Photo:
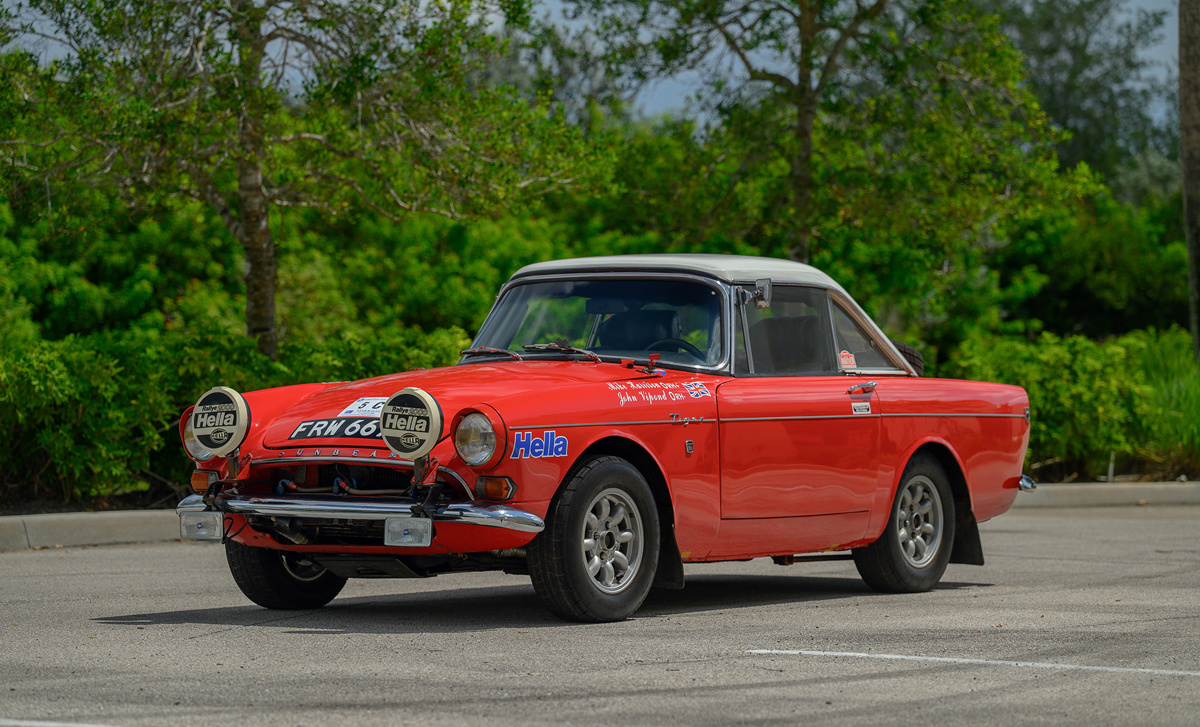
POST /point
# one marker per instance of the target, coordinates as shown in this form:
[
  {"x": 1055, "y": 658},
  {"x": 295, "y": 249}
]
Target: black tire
[
  {"x": 912, "y": 553},
  {"x": 912, "y": 356},
  {"x": 622, "y": 571},
  {"x": 275, "y": 579}
]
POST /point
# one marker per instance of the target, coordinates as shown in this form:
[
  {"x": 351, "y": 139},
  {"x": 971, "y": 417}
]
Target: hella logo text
[
  {"x": 548, "y": 445},
  {"x": 216, "y": 419},
  {"x": 405, "y": 423}
]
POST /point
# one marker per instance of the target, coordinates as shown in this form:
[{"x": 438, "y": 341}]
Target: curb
[
  {"x": 62, "y": 530},
  {"x": 1110, "y": 494}
]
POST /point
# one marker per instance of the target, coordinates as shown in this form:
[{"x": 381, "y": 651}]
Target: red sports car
[{"x": 615, "y": 418}]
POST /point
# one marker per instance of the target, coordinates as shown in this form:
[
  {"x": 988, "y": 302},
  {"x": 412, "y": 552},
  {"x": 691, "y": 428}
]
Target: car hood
[{"x": 454, "y": 387}]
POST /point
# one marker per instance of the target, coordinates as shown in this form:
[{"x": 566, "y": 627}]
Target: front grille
[
  {"x": 349, "y": 532},
  {"x": 364, "y": 477}
]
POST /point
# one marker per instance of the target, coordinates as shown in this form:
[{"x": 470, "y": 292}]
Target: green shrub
[
  {"x": 96, "y": 416},
  {"x": 1173, "y": 374},
  {"x": 1089, "y": 399}
]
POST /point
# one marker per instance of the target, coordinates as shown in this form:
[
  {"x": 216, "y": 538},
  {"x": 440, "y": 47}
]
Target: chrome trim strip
[
  {"x": 470, "y": 513},
  {"x": 614, "y": 424},
  {"x": 361, "y": 460},
  {"x": 869, "y": 416},
  {"x": 976, "y": 416},
  {"x": 792, "y": 419}
]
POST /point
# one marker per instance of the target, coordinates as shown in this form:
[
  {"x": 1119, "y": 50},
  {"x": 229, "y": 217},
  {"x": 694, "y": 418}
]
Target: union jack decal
[{"x": 696, "y": 389}]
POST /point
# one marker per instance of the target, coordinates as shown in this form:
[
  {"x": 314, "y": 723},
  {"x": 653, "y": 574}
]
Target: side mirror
[{"x": 762, "y": 293}]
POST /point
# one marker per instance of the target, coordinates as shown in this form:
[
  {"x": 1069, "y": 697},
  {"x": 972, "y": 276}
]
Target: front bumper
[{"x": 199, "y": 521}]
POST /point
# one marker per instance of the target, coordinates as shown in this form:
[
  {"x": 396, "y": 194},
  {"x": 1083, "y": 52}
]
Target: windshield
[{"x": 678, "y": 319}]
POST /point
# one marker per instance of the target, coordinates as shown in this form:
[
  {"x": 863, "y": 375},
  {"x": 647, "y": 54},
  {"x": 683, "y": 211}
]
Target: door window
[{"x": 792, "y": 337}]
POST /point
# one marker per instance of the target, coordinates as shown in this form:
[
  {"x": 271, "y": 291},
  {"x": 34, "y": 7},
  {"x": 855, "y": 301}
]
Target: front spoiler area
[{"x": 489, "y": 515}]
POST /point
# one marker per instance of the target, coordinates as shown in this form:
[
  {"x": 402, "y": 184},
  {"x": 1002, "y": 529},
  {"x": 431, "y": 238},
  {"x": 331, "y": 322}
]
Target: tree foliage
[
  {"x": 254, "y": 105},
  {"x": 403, "y": 182},
  {"x": 1087, "y": 67}
]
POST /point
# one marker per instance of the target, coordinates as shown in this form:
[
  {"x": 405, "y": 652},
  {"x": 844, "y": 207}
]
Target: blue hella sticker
[{"x": 548, "y": 445}]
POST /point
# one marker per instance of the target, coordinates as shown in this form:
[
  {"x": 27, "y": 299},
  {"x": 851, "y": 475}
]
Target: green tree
[
  {"x": 253, "y": 105},
  {"x": 811, "y": 102},
  {"x": 1087, "y": 68}
]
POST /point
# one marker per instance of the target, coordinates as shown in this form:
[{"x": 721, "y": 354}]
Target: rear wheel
[
  {"x": 595, "y": 560},
  {"x": 280, "y": 580},
  {"x": 914, "y": 549}
]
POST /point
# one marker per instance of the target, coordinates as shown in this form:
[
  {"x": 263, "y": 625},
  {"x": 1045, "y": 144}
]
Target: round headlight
[
  {"x": 475, "y": 439},
  {"x": 195, "y": 450}
]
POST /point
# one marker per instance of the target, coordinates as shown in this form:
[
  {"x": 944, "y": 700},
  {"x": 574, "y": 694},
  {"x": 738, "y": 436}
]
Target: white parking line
[
  {"x": 985, "y": 662},
  {"x": 30, "y": 723}
]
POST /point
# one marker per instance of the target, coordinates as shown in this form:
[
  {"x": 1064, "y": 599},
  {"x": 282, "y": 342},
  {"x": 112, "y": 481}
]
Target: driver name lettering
[
  {"x": 614, "y": 386},
  {"x": 653, "y": 396},
  {"x": 648, "y": 397}
]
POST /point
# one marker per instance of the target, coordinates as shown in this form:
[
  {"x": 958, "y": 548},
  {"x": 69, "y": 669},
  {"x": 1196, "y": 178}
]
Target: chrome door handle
[{"x": 866, "y": 387}]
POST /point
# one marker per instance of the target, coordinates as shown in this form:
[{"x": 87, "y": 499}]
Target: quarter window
[{"x": 856, "y": 349}]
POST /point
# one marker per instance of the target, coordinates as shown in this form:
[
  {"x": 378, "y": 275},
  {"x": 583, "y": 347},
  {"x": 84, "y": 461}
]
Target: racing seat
[{"x": 635, "y": 330}]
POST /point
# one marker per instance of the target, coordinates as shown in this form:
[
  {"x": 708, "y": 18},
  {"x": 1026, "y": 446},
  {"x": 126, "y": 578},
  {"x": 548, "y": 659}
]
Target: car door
[{"x": 799, "y": 434}]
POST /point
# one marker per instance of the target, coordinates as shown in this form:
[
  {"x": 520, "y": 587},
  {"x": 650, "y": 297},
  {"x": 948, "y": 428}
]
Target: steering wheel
[{"x": 676, "y": 344}]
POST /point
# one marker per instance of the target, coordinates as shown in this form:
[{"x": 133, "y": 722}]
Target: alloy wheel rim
[
  {"x": 301, "y": 568},
  {"x": 919, "y": 522},
  {"x": 612, "y": 541}
]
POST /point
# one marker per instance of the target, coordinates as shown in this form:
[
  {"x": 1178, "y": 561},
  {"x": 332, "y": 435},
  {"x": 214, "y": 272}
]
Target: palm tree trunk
[{"x": 1189, "y": 146}]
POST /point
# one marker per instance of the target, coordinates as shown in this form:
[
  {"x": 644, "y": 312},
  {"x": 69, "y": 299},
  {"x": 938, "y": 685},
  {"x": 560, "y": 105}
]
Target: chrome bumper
[
  {"x": 469, "y": 513},
  {"x": 1027, "y": 484}
]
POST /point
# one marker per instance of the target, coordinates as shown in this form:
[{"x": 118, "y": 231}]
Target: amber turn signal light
[
  {"x": 495, "y": 488},
  {"x": 203, "y": 479}
]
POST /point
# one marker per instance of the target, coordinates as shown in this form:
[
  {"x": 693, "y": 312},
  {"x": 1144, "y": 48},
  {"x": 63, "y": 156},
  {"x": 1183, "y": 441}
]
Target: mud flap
[
  {"x": 968, "y": 549},
  {"x": 669, "y": 574}
]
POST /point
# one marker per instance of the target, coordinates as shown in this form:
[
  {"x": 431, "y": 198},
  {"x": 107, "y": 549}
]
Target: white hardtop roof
[{"x": 730, "y": 268}]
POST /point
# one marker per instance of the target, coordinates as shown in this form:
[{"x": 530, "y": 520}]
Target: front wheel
[
  {"x": 914, "y": 549},
  {"x": 595, "y": 560},
  {"x": 275, "y": 579}
]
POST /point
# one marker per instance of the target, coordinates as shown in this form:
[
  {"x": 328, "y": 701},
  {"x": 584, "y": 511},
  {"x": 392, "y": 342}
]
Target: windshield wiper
[
  {"x": 487, "y": 349},
  {"x": 561, "y": 344}
]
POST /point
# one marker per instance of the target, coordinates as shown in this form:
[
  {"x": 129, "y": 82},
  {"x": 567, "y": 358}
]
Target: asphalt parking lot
[{"x": 1081, "y": 616}]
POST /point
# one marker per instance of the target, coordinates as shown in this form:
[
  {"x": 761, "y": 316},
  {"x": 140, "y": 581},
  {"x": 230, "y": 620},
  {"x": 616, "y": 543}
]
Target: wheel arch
[
  {"x": 967, "y": 547},
  {"x": 670, "y": 563}
]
